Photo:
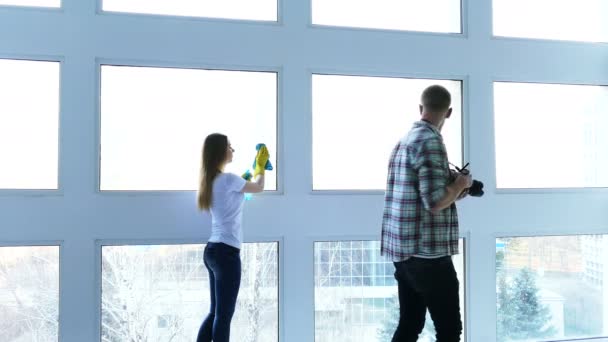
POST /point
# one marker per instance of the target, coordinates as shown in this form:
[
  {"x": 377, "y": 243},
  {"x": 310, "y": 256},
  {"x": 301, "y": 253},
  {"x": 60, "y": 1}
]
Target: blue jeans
[
  {"x": 224, "y": 265},
  {"x": 428, "y": 284}
]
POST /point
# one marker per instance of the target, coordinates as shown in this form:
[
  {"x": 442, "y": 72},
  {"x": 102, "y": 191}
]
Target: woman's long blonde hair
[{"x": 213, "y": 156}]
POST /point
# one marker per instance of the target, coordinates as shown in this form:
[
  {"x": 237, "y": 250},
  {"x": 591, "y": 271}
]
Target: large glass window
[
  {"x": 162, "y": 292},
  {"x": 154, "y": 122},
  {"x": 415, "y": 15},
  {"x": 580, "y": 20},
  {"x": 550, "y": 135},
  {"x": 29, "y": 124},
  {"x": 228, "y": 9},
  {"x": 29, "y": 293},
  {"x": 356, "y": 293},
  {"x": 358, "y": 120},
  {"x": 32, "y": 3},
  {"x": 551, "y": 287}
]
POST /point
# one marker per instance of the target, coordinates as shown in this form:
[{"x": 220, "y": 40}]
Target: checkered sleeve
[{"x": 433, "y": 172}]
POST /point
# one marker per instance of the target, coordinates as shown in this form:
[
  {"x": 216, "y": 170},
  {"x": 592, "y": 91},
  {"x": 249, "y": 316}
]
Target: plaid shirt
[{"x": 418, "y": 173}]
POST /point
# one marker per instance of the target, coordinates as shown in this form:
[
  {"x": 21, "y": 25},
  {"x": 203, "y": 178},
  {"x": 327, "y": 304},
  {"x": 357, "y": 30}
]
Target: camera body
[{"x": 476, "y": 189}]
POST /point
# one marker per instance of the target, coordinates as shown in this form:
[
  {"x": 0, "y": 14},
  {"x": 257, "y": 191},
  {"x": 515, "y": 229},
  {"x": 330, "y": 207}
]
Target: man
[{"x": 420, "y": 224}]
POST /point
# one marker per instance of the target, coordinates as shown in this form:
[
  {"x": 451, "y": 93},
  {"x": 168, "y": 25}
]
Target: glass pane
[
  {"x": 162, "y": 293},
  {"x": 358, "y": 118},
  {"x": 580, "y": 20},
  {"x": 367, "y": 309},
  {"x": 29, "y": 124},
  {"x": 544, "y": 143},
  {"x": 441, "y": 16},
  {"x": 29, "y": 293},
  {"x": 33, "y": 3},
  {"x": 154, "y": 122},
  {"x": 229, "y": 9},
  {"x": 552, "y": 287}
]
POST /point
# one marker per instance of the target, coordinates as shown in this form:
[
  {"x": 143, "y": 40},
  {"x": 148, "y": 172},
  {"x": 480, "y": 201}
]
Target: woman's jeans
[{"x": 224, "y": 265}]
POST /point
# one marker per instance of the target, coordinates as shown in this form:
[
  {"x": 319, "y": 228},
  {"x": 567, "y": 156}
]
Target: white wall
[{"x": 78, "y": 215}]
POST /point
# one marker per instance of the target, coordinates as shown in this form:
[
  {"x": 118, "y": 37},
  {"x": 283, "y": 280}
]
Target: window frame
[
  {"x": 59, "y": 245},
  {"x": 463, "y": 33},
  {"x": 100, "y": 243},
  {"x": 535, "y": 190},
  {"x": 278, "y": 21},
  {"x": 535, "y": 40},
  {"x": 100, "y": 62},
  {"x": 464, "y": 237},
  {"x": 464, "y": 122},
  {"x": 58, "y": 190},
  {"x": 541, "y": 233}
]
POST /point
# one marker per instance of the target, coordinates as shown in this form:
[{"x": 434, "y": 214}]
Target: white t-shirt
[{"x": 227, "y": 209}]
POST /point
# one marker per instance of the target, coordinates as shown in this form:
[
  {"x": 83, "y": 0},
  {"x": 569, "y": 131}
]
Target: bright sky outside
[
  {"x": 415, "y": 15},
  {"x": 369, "y": 115},
  {"x": 29, "y": 124},
  {"x": 154, "y": 122},
  {"x": 34, "y": 3},
  {"x": 544, "y": 143},
  {"x": 580, "y": 20},
  {"x": 233, "y": 9}
]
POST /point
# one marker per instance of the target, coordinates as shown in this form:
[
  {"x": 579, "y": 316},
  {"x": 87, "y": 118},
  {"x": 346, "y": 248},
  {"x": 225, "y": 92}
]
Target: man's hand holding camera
[{"x": 464, "y": 180}]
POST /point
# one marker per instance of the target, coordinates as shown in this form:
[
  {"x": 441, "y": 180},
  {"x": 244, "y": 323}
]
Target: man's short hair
[{"x": 436, "y": 99}]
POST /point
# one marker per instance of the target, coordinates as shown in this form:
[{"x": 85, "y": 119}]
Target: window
[
  {"x": 154, "y": 122},
  {"x": 369, "y": 115},
  {"x": 356, "y": 293},
  {"x": 441, "y": 16},
  {"x": 581, "y": 20},
  {"x": 544, "y": 143},
  {"x": 29, "y": 293},
  {"x": 33, "y": 3},
  {"x": 265, "y": 10},
  {"x": 546, "y": 289},
  {"x": 29, "y": 124},
  {"x": 162, "y": 291}
]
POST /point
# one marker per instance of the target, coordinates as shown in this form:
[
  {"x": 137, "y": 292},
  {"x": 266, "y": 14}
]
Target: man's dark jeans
[
  {"x": 224, "y": 265},
  {"x": 428, "y": 284}
]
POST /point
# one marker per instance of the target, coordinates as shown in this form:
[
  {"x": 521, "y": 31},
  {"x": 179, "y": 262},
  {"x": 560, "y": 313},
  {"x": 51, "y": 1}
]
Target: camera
[{"x": 476, "y": 189}]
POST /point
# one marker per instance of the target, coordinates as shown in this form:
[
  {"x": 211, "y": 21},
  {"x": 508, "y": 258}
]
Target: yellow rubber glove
[{"x": 260, "y": 161}]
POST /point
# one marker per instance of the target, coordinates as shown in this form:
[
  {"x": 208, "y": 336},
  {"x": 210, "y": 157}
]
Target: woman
[{"x": 222, "y": 194}]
